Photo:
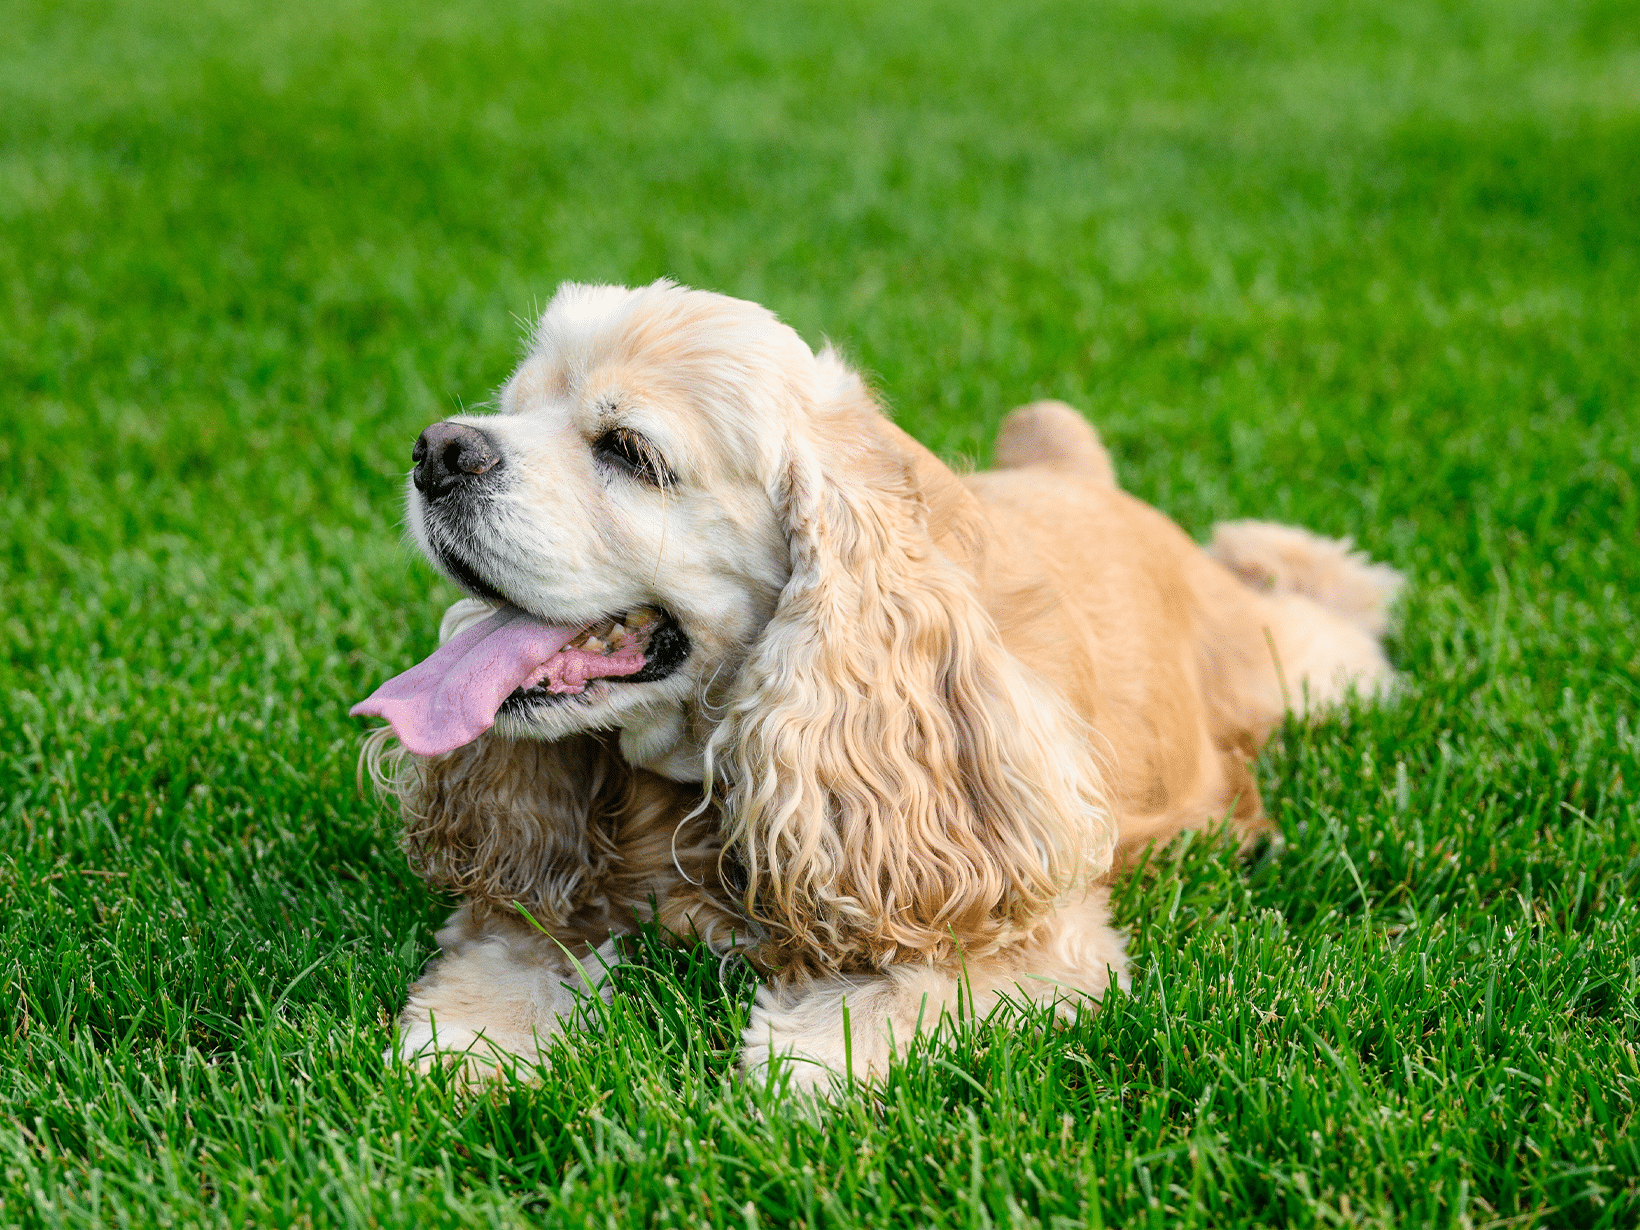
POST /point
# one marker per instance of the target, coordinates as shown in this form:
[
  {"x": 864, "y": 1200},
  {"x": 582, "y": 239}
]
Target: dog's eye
[{"x": 631, "y": 451}]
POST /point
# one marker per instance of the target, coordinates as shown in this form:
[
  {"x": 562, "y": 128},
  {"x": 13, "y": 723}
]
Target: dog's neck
[{"x": 956, "y": 521}]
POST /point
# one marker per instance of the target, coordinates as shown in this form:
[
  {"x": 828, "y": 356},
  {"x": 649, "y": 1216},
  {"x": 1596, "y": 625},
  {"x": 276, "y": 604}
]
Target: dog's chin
[
  {"x": 602, "y": 705},
  {"x": 559, "y": 716}
]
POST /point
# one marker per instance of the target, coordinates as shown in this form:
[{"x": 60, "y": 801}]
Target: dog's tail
[
  {"x": 1283, "y": 559},
  {"x": 1052, "y": 435}
]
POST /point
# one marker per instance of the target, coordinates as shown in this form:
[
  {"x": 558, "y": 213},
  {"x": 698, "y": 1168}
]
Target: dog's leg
[
  {"x": 840, "y": 1024},
  {"x": 1052, "y": 436},
  {"x": 1279, "y": 559},
  {"x": 496, "y": 992},
  {"x": 1322, "y": 607}
]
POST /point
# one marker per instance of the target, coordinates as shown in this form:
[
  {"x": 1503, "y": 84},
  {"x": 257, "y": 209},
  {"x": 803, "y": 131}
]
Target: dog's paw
[
  {"x": 491, "y": 1013},
  {"x": 470, "y": 1058},
  {"x": 835, "y": 1030}
]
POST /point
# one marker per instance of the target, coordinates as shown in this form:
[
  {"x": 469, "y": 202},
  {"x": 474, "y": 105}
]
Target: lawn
[{"x": 1370, "y": 268}]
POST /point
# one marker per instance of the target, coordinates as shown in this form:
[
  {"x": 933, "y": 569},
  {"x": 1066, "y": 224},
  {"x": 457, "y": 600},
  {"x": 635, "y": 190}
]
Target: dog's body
[{"x": 931, "y": 712}]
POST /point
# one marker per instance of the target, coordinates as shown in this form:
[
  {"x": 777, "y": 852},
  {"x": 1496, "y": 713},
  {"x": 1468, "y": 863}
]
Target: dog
[{"x": 744, "y": 659}]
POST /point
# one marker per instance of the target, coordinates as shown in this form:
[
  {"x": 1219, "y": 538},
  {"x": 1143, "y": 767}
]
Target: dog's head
[
  {"x": 696, "y": 530},
  {"x": 616, "y": 512}
]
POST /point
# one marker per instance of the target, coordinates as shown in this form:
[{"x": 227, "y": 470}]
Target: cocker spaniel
[{"x": 745, "y": 659}]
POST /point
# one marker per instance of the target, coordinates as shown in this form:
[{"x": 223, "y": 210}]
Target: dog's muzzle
[{"x": 449, "y": 456}]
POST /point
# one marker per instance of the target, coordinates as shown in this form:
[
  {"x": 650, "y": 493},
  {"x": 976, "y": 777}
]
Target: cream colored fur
[{"x": 923, "y": 717}]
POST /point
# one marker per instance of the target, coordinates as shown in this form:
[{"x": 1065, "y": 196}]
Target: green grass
[{"x": 1371, "y": 268}]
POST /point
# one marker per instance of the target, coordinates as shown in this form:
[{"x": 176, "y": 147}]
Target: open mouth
[
  {"x": 512, "y": 662},
  {"x": 643, "y": 645}
]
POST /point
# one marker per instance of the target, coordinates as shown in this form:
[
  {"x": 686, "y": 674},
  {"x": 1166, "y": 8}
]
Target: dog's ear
[
  {"x": 895, "y": 783},
  {"x": 503, "y": 820}
]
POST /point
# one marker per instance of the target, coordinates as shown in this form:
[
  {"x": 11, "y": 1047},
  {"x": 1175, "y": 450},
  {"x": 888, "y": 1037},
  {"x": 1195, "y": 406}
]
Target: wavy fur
[
  {"x": 568, "y": 830},
  {"x": 898, "y": 785}
]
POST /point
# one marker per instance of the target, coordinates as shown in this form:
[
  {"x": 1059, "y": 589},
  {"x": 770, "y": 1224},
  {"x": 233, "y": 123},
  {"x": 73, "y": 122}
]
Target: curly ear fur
[
  {"x": 569, "y": 830},
  {"x": 898, "y": 785},
  {"x": 503, "y": 820}
]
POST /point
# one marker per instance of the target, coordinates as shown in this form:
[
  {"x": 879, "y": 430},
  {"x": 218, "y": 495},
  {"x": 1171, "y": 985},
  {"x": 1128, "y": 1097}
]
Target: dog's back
[{"x": 1181, "y": 660}]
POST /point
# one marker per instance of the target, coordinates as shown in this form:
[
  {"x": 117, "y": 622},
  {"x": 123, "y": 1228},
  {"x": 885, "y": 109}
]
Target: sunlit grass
[{"x": 1368, "y": 269}]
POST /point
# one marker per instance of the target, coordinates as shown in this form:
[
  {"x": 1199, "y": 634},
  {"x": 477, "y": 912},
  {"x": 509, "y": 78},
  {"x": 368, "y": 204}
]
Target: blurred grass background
[{"x": 1369, "y": 268}]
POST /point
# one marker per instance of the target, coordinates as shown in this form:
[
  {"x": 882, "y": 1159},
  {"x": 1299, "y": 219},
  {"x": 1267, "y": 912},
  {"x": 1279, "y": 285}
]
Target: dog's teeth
[
  {"x": 597, "y": 633},
  {"x": 614, "y": 634}
]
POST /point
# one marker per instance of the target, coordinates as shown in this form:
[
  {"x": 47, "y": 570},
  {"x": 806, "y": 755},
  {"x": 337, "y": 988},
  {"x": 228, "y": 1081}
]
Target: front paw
[
  {"x": 425, "y": 1044},
  {"x": 826, "y": 1033},
  {"x": 770, "y": 1039},
  {"x": 488, "y": 1011}
]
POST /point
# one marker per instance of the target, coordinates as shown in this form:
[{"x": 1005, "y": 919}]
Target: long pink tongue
[{"x": 450, "y": 698}]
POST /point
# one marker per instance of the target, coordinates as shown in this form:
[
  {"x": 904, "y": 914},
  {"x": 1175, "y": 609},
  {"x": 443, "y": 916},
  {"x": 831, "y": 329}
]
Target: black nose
[{"x": 449, "y": 454}]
